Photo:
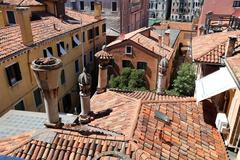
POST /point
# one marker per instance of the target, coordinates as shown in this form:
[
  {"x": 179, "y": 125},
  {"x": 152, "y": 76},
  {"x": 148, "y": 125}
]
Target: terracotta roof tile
[
  {"x": 68, "y": 146},
  {"x": 145, "y": 42},
  {"x": 186, "y": 136},
  {"x": 103, "y": 55},
  {"x": 144, "y": 136},
  {"x": 124, "y": 112},
  {"x": 152, "y": 96},
  {"x": 210, "y": 48},
  {"x": 11, "y": 41},
  {"x": 22, "y": 2}
]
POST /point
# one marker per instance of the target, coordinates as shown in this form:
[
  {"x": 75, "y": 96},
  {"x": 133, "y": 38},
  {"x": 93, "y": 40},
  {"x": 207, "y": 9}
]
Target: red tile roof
[
  {"x": 234, "y": 63},
  {"x": 124, "y": 112},
  {"x": 187, "y": 136},
  {"x": 22, "y": 2},
  {"x": 58, "y": 144},
  {"x": 43, "y": 30},
  {"x": 210, "y": 48},
  {"x": 146, "y": 42}
]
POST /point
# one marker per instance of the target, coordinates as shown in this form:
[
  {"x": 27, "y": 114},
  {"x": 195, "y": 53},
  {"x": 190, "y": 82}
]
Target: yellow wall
[
  {"x": 233, "y": 118},
  {"x": 11, "y": 95}
]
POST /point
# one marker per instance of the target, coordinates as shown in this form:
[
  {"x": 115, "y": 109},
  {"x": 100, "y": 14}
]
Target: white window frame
[{"x": 127, "y": 52}]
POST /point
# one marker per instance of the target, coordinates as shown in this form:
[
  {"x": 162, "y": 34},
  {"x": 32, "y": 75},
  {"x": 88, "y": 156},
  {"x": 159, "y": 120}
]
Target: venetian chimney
[
  {"x": 2, "y": 24},
  {"x": 103, "y": 58},
  {"x": 161, "y": 84},
  {"x": 47, "y": 74},
  {"x": 97, "y": 10},
  {"x": 230, "y": 46},
  {"x": 85, "y": 81},
  {"x": 24, "y": 22},
  {"x": 166, "y": 38}
]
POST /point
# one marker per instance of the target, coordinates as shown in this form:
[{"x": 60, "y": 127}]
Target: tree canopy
[
  {"x": 184, "y": 83},
  {"x": 130, "y": 79}
]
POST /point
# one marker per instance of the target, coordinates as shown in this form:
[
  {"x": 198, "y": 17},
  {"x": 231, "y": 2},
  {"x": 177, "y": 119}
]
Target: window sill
[{"x": 15, "y": 84}]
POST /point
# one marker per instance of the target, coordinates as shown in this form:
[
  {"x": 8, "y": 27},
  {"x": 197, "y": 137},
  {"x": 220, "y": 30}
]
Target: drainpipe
[{"x": 47, "y": 74}]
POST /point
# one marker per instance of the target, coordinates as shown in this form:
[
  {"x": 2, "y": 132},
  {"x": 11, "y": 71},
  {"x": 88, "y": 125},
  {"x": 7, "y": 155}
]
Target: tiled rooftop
[
  {"x": 141, "y": 134},
  {"x": 210, "y": 48},
  {"x": 234, "y": 63},
  {"x": 103, "y": 55},
  {"x": 64, "y": 145},
  {"x": 43, "y": 30},
  {"x": 187, "y": 136},
  {"x": 146, "y": 42},
  {"x": 22, "y": 2}
]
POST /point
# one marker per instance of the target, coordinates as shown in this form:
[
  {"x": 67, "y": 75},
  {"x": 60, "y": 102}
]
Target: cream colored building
[{"x": 30, "y": 30}]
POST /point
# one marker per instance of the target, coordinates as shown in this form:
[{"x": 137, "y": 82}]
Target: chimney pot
[
  {"x": 167, "y": 37},
  {"x": 47, "y": 74},
  {"x": 230, "y": 46},
  {"x": 98, "y": 10},
  {"x": 23, "y": 14}
]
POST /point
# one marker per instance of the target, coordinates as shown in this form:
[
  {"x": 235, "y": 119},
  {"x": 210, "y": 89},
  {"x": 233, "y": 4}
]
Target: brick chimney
[
  {"x": 160, "y": 40},
  {"x": 97, "y": 10},
  {"x": 103, "y": 58},
  {"x": 47, "y": 74},
  {"x": 85, "y": 81},
  {"x": 24, "y": 21},
  {"x": 1, "y": 19},
  {"x": 166, "y": 38},
  {"x": 230, "y": 46}
]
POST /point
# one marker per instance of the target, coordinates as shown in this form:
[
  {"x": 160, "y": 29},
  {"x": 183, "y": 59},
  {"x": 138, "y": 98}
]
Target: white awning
[
  {"x": 62, "y": 50},
  {"x": 214, "y": 84},
  {"x": 76, "y": 40},
  {"x": 48, "y": 53}
]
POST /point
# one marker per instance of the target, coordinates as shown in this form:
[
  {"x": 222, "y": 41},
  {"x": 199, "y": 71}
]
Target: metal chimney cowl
[{"x": 47, "y": 74}]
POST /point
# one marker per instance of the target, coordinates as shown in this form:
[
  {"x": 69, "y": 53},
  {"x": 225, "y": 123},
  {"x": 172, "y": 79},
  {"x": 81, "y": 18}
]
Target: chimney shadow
[{"x": 101, "y": 114}]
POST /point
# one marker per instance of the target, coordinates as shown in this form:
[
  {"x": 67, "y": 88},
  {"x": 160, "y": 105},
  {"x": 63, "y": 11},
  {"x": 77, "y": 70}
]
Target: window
[
  {"x": 126, "y": 63},
  {"x": 90, "y": 34},
  {"x": 74, "y": 5},
  {"x": 77, "y": 66},
  {"x": 97, "y": 31},
  {"x": 61, "y": 48},
  {"x": 67, "y": 103},
  {"x": 13, "y": 74},
  {"x": 92, "y": 6},
  {"x": 142, "y": 65},
  {"x": 85, "y": 60},
  {"x": 75, "y": 41},
  {"x": 104, "y": 28},
  {"x": 91, "y": 56},
  {"x": 128, "y": 50},
  {"x": 114, "y": 6},
  {"x": 11, "y": 17},
  {"x": 48, "y": 52},
  {"x": 37, "y": 97},
  {"x": 20, "y": 106},
  {"x": 63, "y": 80},
  {"x": 236, "y": 4},
  {"x": 83, "y": 37},
  {"x": 81, "y": 5}
]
